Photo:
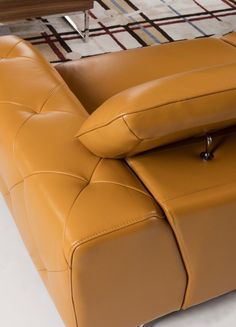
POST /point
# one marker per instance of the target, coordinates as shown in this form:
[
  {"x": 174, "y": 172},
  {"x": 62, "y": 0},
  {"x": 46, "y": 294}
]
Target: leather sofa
[{"x": 119, "y": 171}]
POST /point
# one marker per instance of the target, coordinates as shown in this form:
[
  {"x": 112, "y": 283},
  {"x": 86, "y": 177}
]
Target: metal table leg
[{"x": 85, "y": 33}]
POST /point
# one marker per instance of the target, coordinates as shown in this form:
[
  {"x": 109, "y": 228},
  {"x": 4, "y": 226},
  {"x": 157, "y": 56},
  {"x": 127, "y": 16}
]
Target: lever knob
[{"x": 207, "y": 155}]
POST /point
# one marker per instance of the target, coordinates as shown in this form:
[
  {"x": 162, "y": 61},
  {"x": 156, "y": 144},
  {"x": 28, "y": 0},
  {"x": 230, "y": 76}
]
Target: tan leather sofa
[{"x": 123, "y": 216}]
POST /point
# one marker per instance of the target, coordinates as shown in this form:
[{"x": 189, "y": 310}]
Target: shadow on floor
[{"x": 219, "y": 312}]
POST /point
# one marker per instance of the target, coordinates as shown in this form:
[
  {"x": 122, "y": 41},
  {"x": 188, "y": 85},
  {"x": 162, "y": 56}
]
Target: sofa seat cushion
[
  {"x": 198, "y": 198},
  {"x": 94, "y": 80}
]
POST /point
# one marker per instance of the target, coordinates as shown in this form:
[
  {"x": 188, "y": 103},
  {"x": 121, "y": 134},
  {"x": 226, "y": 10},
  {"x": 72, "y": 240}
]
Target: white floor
[{"x": 24, "y": 302}]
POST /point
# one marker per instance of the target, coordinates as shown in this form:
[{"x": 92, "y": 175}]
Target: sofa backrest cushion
[{"x": 162, "y": 111}]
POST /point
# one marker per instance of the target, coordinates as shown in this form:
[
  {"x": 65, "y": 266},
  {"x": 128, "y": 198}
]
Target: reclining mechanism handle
[{"x": 207, "y": 154}]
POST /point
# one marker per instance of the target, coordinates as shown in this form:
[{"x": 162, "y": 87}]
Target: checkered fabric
[{"x": 123, "y": 24}]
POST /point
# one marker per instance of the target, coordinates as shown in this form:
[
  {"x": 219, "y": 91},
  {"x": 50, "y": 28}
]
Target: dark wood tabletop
[{"x": 21, "y": 9}]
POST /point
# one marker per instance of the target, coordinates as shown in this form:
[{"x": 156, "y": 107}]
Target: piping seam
[
  {"x": 113, "y": 229},
  {"x": 199, "y": 191},
  {"x": 13, "y": 48},
  {"x": 154, "y": 108},
  {"x": 182, "y": 251},
  {"x": 72, "y": 205},
  {"x": 123, "y": 185},
  {"x": 76, "y": 246}
]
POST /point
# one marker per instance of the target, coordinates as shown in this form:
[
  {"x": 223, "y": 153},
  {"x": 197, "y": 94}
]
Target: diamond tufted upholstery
[
  {"x": 68, "y": 203},
  {"x": 117, "y": 242}
]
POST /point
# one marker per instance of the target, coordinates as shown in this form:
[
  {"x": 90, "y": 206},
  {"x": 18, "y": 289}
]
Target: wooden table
[{"x": 22, "y": 9}]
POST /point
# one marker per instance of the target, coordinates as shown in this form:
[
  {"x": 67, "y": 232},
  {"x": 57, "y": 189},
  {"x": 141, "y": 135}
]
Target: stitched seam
[
  {"x": 17, "y": 104},
  {"x": 39, "y": 61},
  {"x": 45, "y": 172},
  {"x": 26, "y": 211},
  {"x": 72, "y": 296},
  {"x": 13, "y": 48},
  {"x": 28, "y": 222},
  {"x": 199, "y": 191},
  {"x": 19, "y": 129},
  {"x": 56, "y": 173},
  {"x": 64, "y": 254},
  {"x": 27, "y": 214},
  {"x": 123, "y": 185},
  {"x": 33, "y": 114},
  {"x": 228, "y": 42},
  {"x": 34, "y": 111},
  {"x": 14, "y": 144},
  {"x": 72, "y": 258},
  {"x": 52, "y": 271},
  {"x": 115, "y": 228},
  {"x": 182, "y": 100},
  {"x": 19, "y": 57},
  {"x": 15, "y": 185},
  {"x": 181, "y": 243},
  {"x": 51, "y": 93},
  {"x": 60, "y": 111},
  {"x": 134, "y": 147},
  {"x": 182, "y": 251},
  {"x": 153, "y": 108},
  {"x": 129, "y": 128},
  {"x": 107, "y": 231},
  {"x": 72, "y": 206}
]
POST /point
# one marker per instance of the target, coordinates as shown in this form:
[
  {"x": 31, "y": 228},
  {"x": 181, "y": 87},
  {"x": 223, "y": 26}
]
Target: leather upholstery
[
  {"x": 198, "y": 199},
  {"x": 73, "y": 207},
  {"x": 162, "y": 111},
  {"x": 115, "y": 241},
  {"x": 230, "y": 38},
  {"x": 90, "y": 78}
]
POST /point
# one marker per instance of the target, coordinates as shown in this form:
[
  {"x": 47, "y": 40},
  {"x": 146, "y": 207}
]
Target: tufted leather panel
[
  {"x": 69, "y": 203},
  {"x": 13, "y": 46},
  {"x": 46, "y": 90},
  {"x": 99, "y": 239}
]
